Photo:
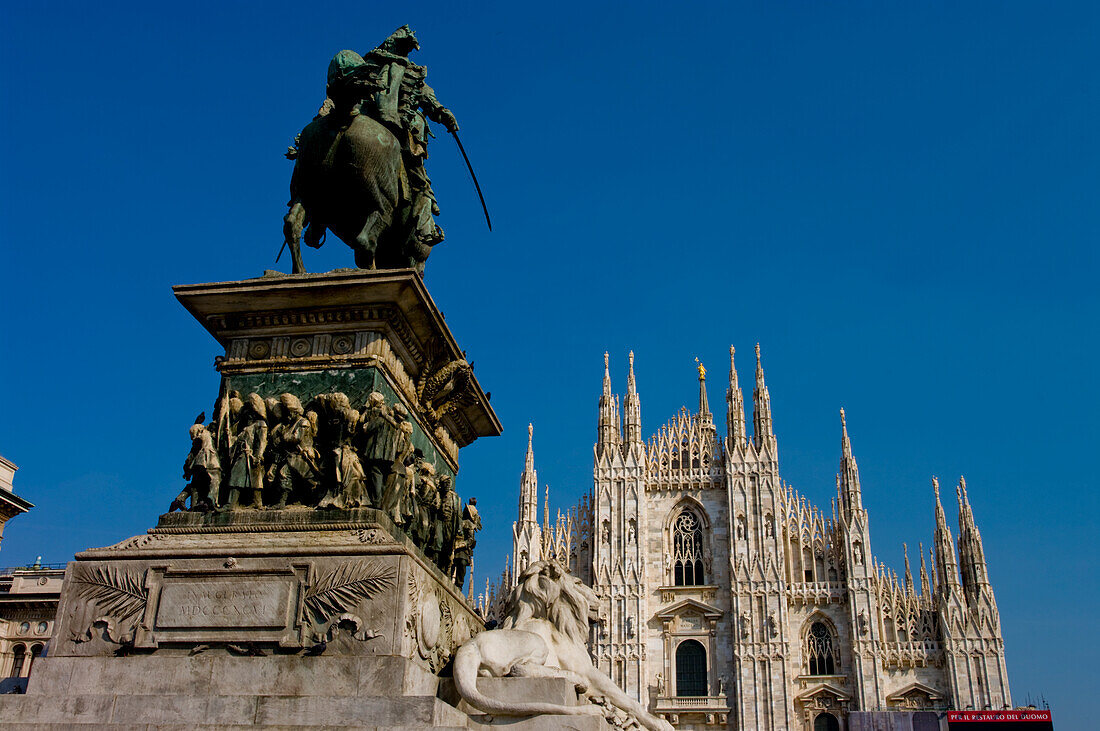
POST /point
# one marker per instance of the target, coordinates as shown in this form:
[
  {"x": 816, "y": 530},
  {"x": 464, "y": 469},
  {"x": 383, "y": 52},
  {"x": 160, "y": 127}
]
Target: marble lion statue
[{"x": 544, "y": 635}]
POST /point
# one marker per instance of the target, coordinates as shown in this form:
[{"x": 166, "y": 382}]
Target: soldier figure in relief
[
  {"x": 376, "y": 438},
  {"x": 350, "y": 474},
  {"x": 470, "y": 513},
  {"x": 299, "y": 466},
  {"x": 347, "y": 481},
  {"x": 203, "y": 469},
  {"x": 388, "y": 469},
  {"x": 246, "y": 453},
  {"x": 465, "y": 542},
  {"x": 426, "y": 506},
  {"x": 447, "y": 525}
]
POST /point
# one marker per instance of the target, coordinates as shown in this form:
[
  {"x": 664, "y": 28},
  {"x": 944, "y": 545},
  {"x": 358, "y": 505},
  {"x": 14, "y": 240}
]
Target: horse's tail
[{"x": 466, "y": 666}]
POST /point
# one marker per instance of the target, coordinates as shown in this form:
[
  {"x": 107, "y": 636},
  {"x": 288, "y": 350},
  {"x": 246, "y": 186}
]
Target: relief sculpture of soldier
[
  {"x": 465, "y": 542},
  {"x": 203, "y": 470},
  {"x": 359, "y": 165},
  {"x": 376, "y": 437},
  {"x": 299, "y": 474},
  {"x": 246, "y": 451},
  {"x": 400, "y": 492},
  {"x": 427, "y": 506},
  {"x": 447, "y": 525},
  {"x": 344, "y": 475}
]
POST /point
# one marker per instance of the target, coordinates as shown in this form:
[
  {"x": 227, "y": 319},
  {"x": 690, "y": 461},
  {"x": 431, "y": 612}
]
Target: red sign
[{"x": 998, "y": 716}]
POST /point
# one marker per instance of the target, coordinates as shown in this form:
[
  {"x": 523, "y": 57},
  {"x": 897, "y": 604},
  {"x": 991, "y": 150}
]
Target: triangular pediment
[
  {"x": 912, "y": 688},
  {"x": 690, "y": 605},
  {"x": 823, "y": 689}
]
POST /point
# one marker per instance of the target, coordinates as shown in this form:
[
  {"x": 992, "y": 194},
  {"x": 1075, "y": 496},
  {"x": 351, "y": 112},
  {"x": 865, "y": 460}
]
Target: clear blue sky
[{"x": 898, "y": 200}]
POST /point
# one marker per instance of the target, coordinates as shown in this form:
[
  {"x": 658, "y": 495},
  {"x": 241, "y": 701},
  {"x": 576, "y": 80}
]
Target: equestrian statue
[{"x": 359, "y": 165}]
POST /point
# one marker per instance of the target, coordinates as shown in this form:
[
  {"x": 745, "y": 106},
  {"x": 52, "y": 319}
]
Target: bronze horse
[{"x": 350, "y": 178}]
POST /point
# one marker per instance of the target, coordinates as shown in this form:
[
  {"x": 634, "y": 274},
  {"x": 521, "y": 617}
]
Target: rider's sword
[{"x": 473, "y": 177}]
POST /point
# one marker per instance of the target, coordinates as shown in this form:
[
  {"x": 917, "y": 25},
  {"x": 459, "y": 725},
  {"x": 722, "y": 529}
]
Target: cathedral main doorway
[{"x": 826, "y": 722}]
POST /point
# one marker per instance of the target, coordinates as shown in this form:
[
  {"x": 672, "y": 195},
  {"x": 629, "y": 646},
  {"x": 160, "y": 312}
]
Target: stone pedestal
[
  {"x": 287, "y": 618},
  {"x": 300, "y": 617},
  {"x": 523, "y": 690}
]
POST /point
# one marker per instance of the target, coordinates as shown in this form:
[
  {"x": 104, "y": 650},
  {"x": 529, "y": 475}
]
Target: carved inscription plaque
[{"x": 253, "y": 602}]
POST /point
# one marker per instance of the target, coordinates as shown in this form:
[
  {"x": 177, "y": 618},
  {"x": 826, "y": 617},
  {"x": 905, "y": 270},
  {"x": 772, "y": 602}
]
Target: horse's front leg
[{"x": 293, "y": 224}]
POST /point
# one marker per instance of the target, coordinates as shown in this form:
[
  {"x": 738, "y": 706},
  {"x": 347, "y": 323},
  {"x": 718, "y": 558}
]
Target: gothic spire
[
  {"x": 908, "y": 573},
  {"x": 608, "y": 429},
  {"x": 947, "y": 574},
  {"x": 971, "y": 554},
  {"x": 851, "y": 494},
  {"x": 632, "y": 410},
  {"x": 932, "y": 563},
  {"x": 529, "y": 484},
  {"x": 762, "y": 433},
  {"x": 925, "y": 588},
  {"x": 735, "y": 408}
]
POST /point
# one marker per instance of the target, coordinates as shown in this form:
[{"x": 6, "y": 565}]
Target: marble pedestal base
[
  {"x": 298, "y": 619},
  {"x": 521, "y": 690}
]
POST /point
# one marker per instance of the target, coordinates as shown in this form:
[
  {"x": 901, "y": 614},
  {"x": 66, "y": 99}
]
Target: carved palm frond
[
  {"x": 342, "y": 589},
  {"x": 116, "y": 593}
]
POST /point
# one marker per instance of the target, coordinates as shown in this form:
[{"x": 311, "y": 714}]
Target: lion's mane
[{"x": 545, "y": 591}]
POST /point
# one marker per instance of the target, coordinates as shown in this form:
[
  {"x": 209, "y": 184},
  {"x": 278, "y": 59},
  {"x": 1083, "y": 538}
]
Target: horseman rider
[
  {"x": 397, "y": 205},
  {"x": 401, "y": 105}
]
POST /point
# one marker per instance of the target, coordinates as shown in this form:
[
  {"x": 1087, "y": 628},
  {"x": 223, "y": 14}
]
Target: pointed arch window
[
  {"x": 821, "y": 650},
  {"x": 687, "y": 550}
]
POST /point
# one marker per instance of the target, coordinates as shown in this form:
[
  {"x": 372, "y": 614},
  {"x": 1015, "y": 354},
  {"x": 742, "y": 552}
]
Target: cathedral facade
[{"x": 729, "y": 601}]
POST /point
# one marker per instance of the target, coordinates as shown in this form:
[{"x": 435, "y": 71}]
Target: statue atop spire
[
  {"x": 632, "y": 412},
  {"x": 845, "y": 442},
  {"x": 704, "y": 407}
]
